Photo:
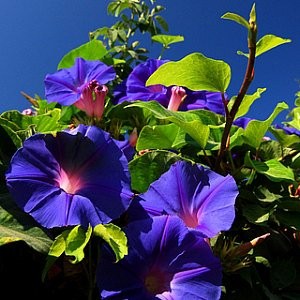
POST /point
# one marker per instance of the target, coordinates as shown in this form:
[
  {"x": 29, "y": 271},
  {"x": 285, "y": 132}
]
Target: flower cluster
[
  {"x": 173, "y": 97},
  {"x": 81, "y": 176}
]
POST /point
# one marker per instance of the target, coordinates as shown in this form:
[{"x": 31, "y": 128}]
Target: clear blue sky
[{"x": 36, "y": 34}]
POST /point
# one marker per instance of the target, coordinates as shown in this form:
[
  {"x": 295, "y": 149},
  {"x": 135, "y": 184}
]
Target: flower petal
[
  {"x": 164, "y": 244},
  {"x": 79, "y": 177},
  {"x": 202, "y": 198},
  {"x": 66, "y": 85},
  {"x": 203, "y": 100},
  {"x": 134, "y": 88}
]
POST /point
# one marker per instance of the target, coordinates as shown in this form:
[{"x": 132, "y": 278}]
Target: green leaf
[
  {"x": 236, "y": 18},
  {"x": 188, "y": 121},
  {"x": 283, "y": 138},
  {"x": 168, "y": 136},
  {"x": 246, "y": 103},
  {"x": 289, "y": 218},
  {"x": 57, "y": 248},
  {"x": 98, "y": 32},
  {"x": 161, "y": 21},
  {"x": 116, "y": 8},
  {"x": 256, "y": 130},
  {"x": 252, "y": 16},
  {"x": 267, "y": 43},
  {"x": 295, "y": 115},
  {"x": 92, "y": 50},
  {"x": 15, "y": 225},
  {"x": 115, "y": 238},
  {"x": 256, "y": 214},
  {"x": 195, "y": 72},
  {"x": 48, "y": 122},
  {"x": 283, "y": 273},
  {"x": 12, "y": 142},
  {"x": 76, "y": 241},
  {"x": 43, "y": 123},
  {"x": 297, "y": 100},
  {"x": 166, "y": 40},
  {"x": 272, "y": 168},
  {"x": 296, "y": 162},
  {"x": 148, "y": 167}
]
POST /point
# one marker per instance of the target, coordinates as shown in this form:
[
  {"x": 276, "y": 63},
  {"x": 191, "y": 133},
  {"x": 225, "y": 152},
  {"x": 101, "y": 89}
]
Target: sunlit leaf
[
  {"x": 236, "y": 18},
  {"x": 267, "y": 43},
  {"x": 283, "y": 138},
  {"x": 252, "y": 16},
  {"x": 168, "y": 136},
  {"x": 92, "y": 50},
  {"x": 166, "y": 40},
  {"x": 246, "y": 103},
  {"x": 272, "y": 168},
  {"x": 256, "y": 130},
  {"x": 57, "y": 248},
  {"x": 295, "y": 115},
  {"x": 115, "y": 238},
  {"x": 195, "y": 72},
  {"x": 43, "y": 123},
  {"x": 76, "y": 241},
  {"x": 188, "y": 121}
]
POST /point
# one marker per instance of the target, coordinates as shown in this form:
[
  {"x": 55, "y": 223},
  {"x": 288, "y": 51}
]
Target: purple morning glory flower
[
  {"x": 173, "y": 98},
  {"x": 75, "y": 177},
  {"x": 82, "y": 85},
  {"x": 288, "y": 129},
  {"x": 242, "y": 122},
  {"x": 165, "y": 261},
  {"x": 128, "y": 145},
  {"x": 203, "y": 199}
]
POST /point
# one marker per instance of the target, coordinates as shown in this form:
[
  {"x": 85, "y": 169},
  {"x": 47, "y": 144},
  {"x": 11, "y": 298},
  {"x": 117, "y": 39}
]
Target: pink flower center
[
  {"x": 69, "y": 183},
  {"x": 190, "y": 219},
  {"x": 92, "y": 99},
  {"x": 177, "y": 96}
]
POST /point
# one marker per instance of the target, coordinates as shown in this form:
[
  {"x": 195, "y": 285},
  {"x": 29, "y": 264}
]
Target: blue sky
[{"x": 36, "y": 34}]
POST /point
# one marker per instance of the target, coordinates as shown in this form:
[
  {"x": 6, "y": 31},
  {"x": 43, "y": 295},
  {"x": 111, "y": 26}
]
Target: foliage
[{"x": 260, "y": 252}]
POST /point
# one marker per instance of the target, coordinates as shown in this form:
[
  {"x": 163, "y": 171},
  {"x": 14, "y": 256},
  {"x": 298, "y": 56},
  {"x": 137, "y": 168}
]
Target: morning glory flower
[
  {"x": 83, "y": 85},
  {"x": 242, "y": 122},
  {"x": 74, "y": 177},
  {"x": 134, "y": 88},
  {"x": 202, "y": 198},
  {"x": 165, "y": 261}
]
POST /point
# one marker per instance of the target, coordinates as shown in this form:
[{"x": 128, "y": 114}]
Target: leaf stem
[{"x": 249, "y": 75}]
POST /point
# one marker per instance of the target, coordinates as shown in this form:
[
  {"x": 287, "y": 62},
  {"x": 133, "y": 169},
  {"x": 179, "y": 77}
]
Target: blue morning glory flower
[
  {"x": 75, "y": 177},
  {"x": 165, "y": 261},
  {"x": 83, "y": 85},
  {"x": 174, "y": 98},
  {"x": 202, "y": 198},
  {"x": 288, "y": 129}
]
